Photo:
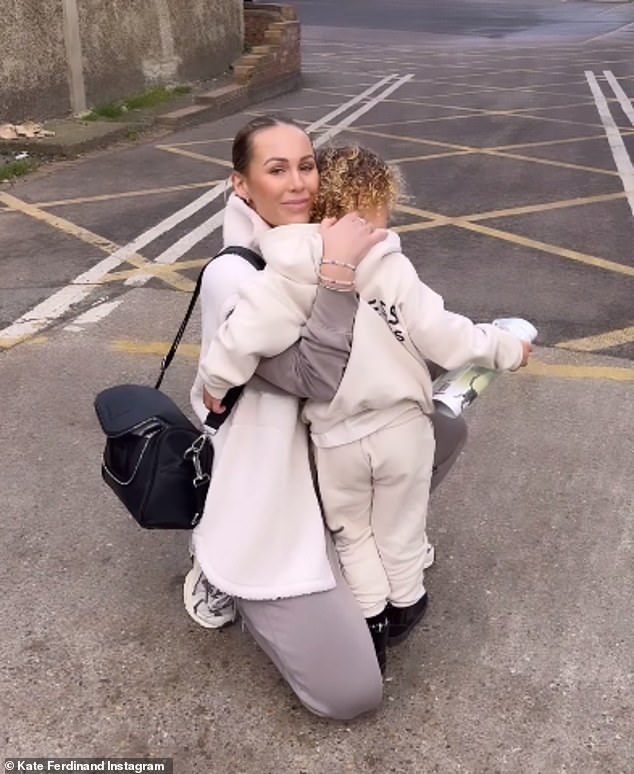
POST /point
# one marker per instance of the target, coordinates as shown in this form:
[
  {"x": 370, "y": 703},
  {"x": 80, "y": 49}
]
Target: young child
[{"x": 374, "y": 443}]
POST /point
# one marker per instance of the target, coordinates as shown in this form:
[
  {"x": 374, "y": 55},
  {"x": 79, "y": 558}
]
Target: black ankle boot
[
  {"x": 403, "y": 619},
  {"x": 379, "y": 627}
]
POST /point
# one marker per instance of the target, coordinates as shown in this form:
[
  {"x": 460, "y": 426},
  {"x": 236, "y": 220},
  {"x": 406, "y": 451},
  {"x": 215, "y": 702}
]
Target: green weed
[
  {"x": 17, "y": 168},
  {"x": 149, "y": 99},
  {"x": 110, "y": 112}
]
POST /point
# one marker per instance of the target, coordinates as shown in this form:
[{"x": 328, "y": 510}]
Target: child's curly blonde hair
[{"x": 354, "y": 178}]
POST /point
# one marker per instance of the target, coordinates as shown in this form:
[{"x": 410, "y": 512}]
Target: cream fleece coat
[
  {"x": 401, "y": 323},
  {"x": 262, "y": 533}
]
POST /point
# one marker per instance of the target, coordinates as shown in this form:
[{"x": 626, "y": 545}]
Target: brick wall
[
  {"x": 272, "y": 42},
  {"x": 257, "y": 19}
]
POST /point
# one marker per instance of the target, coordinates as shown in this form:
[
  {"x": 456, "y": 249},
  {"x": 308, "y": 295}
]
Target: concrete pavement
[{"x": 522, "y": 664}]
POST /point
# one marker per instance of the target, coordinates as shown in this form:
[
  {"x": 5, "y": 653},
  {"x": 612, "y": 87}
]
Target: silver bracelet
[
  {"x": 343, "y": 265},
  {"x": 347, "y": 289},
  {"x": 333, "y": 281},
  {"x": 336, "y": 282}
]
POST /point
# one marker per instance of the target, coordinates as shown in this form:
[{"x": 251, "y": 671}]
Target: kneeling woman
[{"x": 262, "y": 539}]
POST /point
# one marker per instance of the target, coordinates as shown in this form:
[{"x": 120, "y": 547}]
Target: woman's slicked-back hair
[{"x": 242, "y": 150}]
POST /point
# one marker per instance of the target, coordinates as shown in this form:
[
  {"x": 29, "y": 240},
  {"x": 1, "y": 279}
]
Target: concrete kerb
[
  {"x": 74, "y": 136},
  {"x": 228, "y": 99}
]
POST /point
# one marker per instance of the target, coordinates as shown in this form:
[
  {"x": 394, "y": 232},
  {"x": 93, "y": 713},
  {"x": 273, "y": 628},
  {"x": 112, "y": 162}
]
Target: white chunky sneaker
[{"x": 207, "y": 605}]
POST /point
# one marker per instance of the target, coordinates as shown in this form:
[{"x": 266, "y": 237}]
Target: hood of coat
[
  {"x": 391, "y": 244},
  {"x": 241, "y": 225},
  {"x": 296, "y": 250}
]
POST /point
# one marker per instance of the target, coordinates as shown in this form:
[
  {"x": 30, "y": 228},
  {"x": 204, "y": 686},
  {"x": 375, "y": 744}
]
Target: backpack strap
[{"x": 244, "y": 252}]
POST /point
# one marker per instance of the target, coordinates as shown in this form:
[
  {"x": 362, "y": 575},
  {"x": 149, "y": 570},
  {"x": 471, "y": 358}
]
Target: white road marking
[
  {"x": 180, "y": 247},
  {"x": 82, "y": 286},
  {"x": 618, "y": 31},
  {"x": 52, "y": 308},
  {"x": 45, "y": 313},
  {"x": 363, "y": 109},
  {"x": 183, "y": 245},
  {"x": 617, "y": 146},
  {"x": 622, "y": 97},
  {"x": 342, "y": 109},
  {"x": 93, "y": 315}
]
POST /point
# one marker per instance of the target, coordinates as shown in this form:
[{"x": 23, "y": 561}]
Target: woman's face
[{"x": 282, "y": 179}]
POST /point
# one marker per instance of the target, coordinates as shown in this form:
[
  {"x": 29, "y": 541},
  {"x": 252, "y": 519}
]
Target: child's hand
[
  {"x": 349, "y": 239},
  {"x": 527, "y": 348},
  {"x": 214, "y": 404}
]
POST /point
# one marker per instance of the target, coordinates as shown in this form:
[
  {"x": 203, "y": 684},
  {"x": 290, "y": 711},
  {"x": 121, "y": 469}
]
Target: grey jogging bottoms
[
  {"x": 320, "y": 642},
  {"x": 321, "y": 647}
]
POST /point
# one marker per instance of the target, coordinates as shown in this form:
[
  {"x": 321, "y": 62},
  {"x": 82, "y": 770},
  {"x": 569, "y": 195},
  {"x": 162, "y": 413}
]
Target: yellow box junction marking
[
  {"x": 534, "y": 368},
  {"x": 125, "y": 194},
  {"x": 101, "y": 243},
  {"x": 159, "y": 348},
  {"x": 600, "y": 341}
]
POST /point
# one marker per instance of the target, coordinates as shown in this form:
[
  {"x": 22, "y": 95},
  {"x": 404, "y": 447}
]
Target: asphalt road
[
  {"x": 517, "y": 206},
  {"x": 493, "y": 19}
]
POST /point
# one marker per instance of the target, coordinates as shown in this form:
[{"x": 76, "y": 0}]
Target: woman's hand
[
  {"x": 213, "y": 404},
  {"x": 527, "y": 348},
  {"x": 349, "y": 239},
  {"x": 346, "y": 243}
]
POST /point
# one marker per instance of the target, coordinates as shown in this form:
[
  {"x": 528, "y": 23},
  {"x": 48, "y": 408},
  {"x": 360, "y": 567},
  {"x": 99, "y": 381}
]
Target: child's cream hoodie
[{"x": 402, "y": 323}]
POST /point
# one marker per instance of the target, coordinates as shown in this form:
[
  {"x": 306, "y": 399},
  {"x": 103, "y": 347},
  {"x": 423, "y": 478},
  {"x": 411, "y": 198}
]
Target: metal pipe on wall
[{"x": 74, "y": 60}]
